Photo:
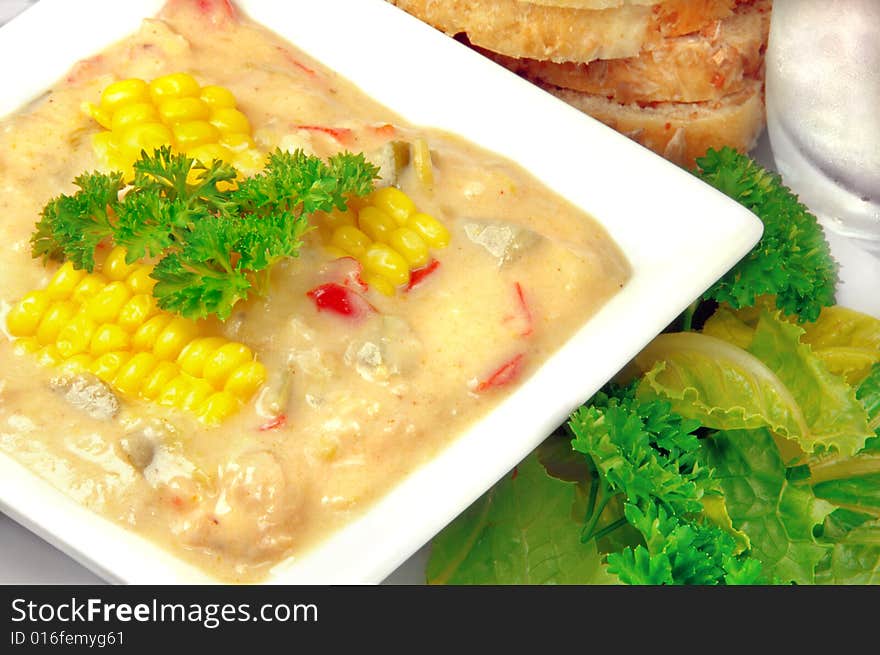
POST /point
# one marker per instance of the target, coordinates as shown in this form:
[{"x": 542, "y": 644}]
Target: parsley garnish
[
  {"x": 792, "y": 261},
  {"x": 215, "y": 242}
]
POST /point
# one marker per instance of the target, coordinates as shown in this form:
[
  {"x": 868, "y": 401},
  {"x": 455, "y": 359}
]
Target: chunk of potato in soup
[{"x": 350, "y": 404}]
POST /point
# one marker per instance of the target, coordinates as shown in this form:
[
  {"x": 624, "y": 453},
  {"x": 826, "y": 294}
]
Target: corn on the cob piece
[
  {"x": 174, "y": 110},
  {"x": 387, "y": 235},
  {"x": 107, "y": 323}
]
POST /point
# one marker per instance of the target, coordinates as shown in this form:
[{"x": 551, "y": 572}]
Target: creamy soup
[{"x": 348, "y": 407}]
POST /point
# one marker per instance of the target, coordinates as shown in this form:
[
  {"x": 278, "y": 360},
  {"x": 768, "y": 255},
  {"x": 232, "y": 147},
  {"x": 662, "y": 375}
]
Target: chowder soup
[{"x": 362, "y": 379}]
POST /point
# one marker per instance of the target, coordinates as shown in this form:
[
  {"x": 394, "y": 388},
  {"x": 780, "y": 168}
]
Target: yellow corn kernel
[
  {"x": 175, "y": 391},
  {"x": 102, "y": 116},
  {"x": 140, "y": 281},
  {"x": 106, "y": 366},
  {"x": 194, "y": 355},
  {"x": 56, "y": 317},
  {"x": 132, "y": 375},
  {"x": 143, "y": 136},
  {"x": 209, "y": 152},
  {"x": 105, "y": 148},
  {"x": 122, "y": 93},
  {"x": 146, "y": 335},
  {"x": 249, "y": 160},
  {"x": 76, "y": 337},
  {"x": 351, "y": 240},
  {"x": 174, "y": 337},
  {"x": 335, "y": 253},
  {"x": 244, "y": 381},
  {"x": 199, "y": 392},
  {"x": 90, "y": 286},
  {"x": 26, "y": 346},
  {"x": 394, "y": 202},
  {"x": 337, "y": 218},
  {"x": 108, "y": 338},
  {"x": 175, "y": 85},
  {"x": 409, "y": 244},
  {"x": 379, "y": 283},
  {"x": 156, "y": 381},
  {"x": 229, "y": 120},
  {"x": 24, "y": 317},
  {"x": 223, "y": 361},
  {"x": 217, "y": 96},
  {"x": 430, "y": 229},
  {"x": 134, "y": 114},
  {"x": 136, "y": 311},
  {"x": 237, "y": 142},
  {"x": 375, "y": 223},
  {"x": 105, "y": 305},
  {"x": 115, "y": 267},
  {"x": 48, "y": 356},
  {"x": 182, "y": 110},
  {"x": 64, "y": 281},
  {"x": 383, "y": 260},
  {"x": 75, "y": 365},
  {"x": 217, "y": 408},
  {"x": 194, "y": 133}
]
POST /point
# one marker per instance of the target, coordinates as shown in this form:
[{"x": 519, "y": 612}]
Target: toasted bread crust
[
  {"x": 680, "y": 132},
  {"x": 591, "y": 4},
  {"x": 717, "y": 61},
  {"x": 523, "y": 29}
]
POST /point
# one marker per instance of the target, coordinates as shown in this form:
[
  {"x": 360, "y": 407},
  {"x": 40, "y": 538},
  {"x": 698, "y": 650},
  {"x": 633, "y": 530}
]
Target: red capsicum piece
[
  {"x": 417, "y": 276},
  {"x": 274, "y": 423},
  {"x": 335, "y": 298},
  {"x": 341, "y": 134},
  {"x": 524, "y": 311},
  {"x": 505, "y": 374}
]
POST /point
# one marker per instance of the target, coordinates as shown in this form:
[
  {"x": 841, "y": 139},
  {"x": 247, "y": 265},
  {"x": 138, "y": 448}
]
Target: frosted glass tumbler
[{"x": 823, "y": 110}]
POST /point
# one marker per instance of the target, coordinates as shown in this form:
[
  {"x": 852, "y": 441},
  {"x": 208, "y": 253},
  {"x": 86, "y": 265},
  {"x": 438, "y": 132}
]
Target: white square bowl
[{"x": 679, "y": 234}]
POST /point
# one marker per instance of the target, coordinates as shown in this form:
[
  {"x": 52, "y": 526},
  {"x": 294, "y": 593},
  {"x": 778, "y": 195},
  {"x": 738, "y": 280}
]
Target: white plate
[{"x": 679, "y": 234}]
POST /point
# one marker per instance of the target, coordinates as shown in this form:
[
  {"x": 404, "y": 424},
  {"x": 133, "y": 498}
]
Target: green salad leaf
[
  {"x": 720, "y": 385},
  {"x": 868, "y": 393},
  {"x": 847, "y": 341},
  {"x": 835, "y": 417},
  {"x": 778, "y": 516},
  {"x": 776, "y": 382},
  {"x": 854, "y": 549},
  {"x": 520, "y": 532}
]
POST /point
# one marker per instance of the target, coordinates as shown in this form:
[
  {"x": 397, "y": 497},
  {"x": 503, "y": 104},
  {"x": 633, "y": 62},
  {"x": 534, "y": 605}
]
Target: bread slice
[
  {"x": 523, "y": 29},
  {"x": 592, "y": 4},
  {"x": 680, "y": 132},
  {"x": 717, "y": 61}
]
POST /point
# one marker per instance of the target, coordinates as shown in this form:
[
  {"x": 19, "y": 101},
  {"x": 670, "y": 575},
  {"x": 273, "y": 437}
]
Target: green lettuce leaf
[
  {"x": 847, "y": 341},
  {"x": 854, "y": 556},
  {"x": 520, "y": 532},
  {"x": 777, "y": 383},
  {"x": 854, "y": 482},
  {"x": 721, "y": 386},
  {"x": 730, "y": 325},
  {"x": 778, "y": 516},
  {"x": 857, "y": 492},
  {"x": 836, "y": 418},
  {"x": 868, "y": 394}
]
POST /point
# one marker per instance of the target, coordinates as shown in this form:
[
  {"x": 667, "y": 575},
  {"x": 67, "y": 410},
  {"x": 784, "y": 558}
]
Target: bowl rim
[{"x": 679, "y": 235}]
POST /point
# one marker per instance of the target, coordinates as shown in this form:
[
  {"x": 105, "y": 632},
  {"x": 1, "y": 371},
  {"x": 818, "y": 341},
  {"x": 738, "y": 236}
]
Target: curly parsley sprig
[
  {"x": 792, "y": 261},
  {"x": 215, "y": 241}
]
